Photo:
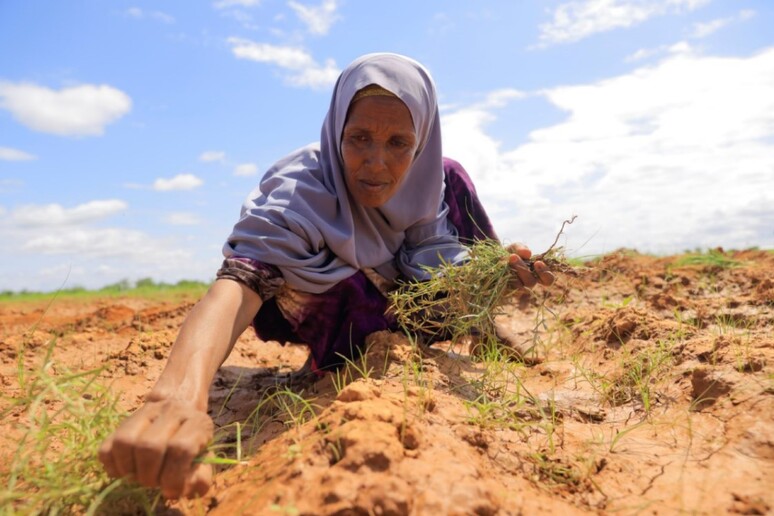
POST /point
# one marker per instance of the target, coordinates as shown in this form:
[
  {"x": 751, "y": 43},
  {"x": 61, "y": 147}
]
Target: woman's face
[{"x": 377, "y": 146}]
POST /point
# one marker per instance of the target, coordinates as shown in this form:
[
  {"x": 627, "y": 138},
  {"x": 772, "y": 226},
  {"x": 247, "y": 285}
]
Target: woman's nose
[{"x": 377, "y": 157}]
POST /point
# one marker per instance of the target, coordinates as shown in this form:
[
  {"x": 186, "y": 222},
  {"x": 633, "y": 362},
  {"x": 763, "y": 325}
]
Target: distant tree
[
  {"x": 118, "y": 286},
  {"x": 145, "y": 283}
]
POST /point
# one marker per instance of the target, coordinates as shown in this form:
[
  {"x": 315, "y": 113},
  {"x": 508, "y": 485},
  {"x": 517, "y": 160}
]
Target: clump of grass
[
  {"x": 637, "y": 378},
  {"x": 554, "y": 472},
  {"x": 458, "y": 299},
  {"x": 713, "y": 258},
  {"x": 464, "y": 299},
  {"x": 62, "y": 417},
  {"x": 351, "y": 370}
]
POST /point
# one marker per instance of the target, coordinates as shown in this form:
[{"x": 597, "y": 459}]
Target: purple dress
[{"x": 335, "y": 323}]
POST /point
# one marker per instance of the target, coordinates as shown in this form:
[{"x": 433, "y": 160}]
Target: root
[{"x": 553, "y": 256}]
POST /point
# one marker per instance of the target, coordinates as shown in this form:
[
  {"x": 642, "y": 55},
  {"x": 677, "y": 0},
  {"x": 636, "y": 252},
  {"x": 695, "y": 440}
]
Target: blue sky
[{"x": 130, "y": 132}]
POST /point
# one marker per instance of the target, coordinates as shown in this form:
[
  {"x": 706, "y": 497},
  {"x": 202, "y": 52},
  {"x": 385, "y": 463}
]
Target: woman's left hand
[{"x": 524, "y": 276}]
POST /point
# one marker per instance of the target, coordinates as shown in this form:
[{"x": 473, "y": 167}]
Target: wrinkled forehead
[{"x": 406, "y": 79}]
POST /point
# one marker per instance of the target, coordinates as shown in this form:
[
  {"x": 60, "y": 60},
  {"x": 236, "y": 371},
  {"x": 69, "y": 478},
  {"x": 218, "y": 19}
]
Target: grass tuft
[
  {"x": 714, "y": 258},
  {"x": 459, "y": 299}
]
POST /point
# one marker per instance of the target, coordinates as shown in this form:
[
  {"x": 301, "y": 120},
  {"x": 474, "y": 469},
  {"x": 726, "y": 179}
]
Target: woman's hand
[
  {"x": 157, "y": 445},
  {"x": 524, "y": 276}
]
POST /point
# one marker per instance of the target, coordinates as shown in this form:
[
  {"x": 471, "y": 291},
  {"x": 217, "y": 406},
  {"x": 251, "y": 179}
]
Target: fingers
[
  {"x": 521, "y": 250},
  {"x": 527, "y": 277},
  {"x": 524, "y": 277},
  {"x": 157, "y": 446},
  {"x": 105, "y": 456},
  {"x": 150, "y": 448},
  {"x": 544, "y": 274},
  {"x": 117, "y": 452},
  {"x": 179, "y": 470},
  {"x": 199, "y": 481}
]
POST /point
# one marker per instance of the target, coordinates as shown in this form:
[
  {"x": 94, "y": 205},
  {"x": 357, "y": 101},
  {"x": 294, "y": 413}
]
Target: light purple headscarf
[{"x": 302, "y": 218}]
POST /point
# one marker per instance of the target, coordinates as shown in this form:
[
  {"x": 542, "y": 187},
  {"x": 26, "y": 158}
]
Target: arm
[{"x": 157, "y": 444}]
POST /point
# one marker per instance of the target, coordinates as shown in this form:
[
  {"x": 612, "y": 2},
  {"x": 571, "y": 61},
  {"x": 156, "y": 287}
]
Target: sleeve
[{"x": 261, "y": 278}]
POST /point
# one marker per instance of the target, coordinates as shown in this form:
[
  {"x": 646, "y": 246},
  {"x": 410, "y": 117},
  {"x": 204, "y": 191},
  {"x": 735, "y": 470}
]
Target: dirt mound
[{"x": 651, "y": 390}]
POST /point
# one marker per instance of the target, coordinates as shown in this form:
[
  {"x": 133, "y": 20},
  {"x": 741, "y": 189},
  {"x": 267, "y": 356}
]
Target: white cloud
[
  {"x": 139, "y": 14},
  {"x": 681, "y": 47},
  {"x": 668, "y": 157},
  {"x": 317, "y": 19},
  {"x": 212, "y": 156},
  {"x": 9, "y": 154},
  {"x": 478, "y": 147},
  {"x": 500, "y": 98},
  {"x": 179, "y": 182},
  {"x": 643, "y": 53},
  {"x": 182, "y": 219},
  {"x": 62, "y": 270},
  {"x": 82, "y": 110},
  {"x": 704, "y": 29},
  {"x": 103, "y": 242},
  {"x": 316, "y": 77},
  {"x": 290, "y": 58},
  {"x": 304, "y": 70},
  {"x": 579, "y": 19},
  {"x": 246, "y": 169},
  {"x": 47, "y": 215}
]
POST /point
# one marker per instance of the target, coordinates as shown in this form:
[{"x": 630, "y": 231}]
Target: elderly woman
[{"x": 318, "y": 244}]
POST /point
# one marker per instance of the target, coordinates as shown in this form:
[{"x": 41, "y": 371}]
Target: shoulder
[
  {"x": 303, "y": 158},
  {"x": 303, "y": 164}
]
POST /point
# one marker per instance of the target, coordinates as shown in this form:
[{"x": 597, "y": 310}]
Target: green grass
[
  {"x": 711, "y": 258},
  {"x": 636, "y": 378},
  {"x": 61, "y": 417},
  {"x": 458, "y": 299},
  {"x": 146, "y": 288}
]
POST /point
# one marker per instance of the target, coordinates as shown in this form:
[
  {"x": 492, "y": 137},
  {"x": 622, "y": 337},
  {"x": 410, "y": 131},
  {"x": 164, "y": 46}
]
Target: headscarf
[{"x": 303, "y": 220}]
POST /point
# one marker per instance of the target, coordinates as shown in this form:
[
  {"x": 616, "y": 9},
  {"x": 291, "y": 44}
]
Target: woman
[{"x": 327, "y": 232}]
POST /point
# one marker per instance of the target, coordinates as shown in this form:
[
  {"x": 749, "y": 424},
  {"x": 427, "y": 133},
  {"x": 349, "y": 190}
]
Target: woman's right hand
[{"x": 157, "y": 445}]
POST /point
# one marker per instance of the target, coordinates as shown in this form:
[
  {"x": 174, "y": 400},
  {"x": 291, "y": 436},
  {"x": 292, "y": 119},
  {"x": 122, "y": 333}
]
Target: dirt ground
[{"x": 648, "y": 389}]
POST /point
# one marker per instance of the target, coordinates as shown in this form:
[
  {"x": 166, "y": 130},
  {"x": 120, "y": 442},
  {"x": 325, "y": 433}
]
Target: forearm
[{"x": 205, "y": 340}]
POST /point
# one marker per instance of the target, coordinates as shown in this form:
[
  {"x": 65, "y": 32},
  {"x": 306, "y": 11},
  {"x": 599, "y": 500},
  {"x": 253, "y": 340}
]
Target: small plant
[
  {"x": 217, "y": 452},
  {"x": 639, "y": 372},
  {"x": 291, "y": 408},
  {"x": 616, "y": 305},
  {"x": 288, "y": 510},
  {"x": 352, "y": 369},
  {"x": 636, "y": 378},
  {"x": 620, "y": 434},
  {"x": 553, "y": 471}
]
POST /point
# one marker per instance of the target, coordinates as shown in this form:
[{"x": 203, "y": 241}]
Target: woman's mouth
[{"x": 373, "y": 186}]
